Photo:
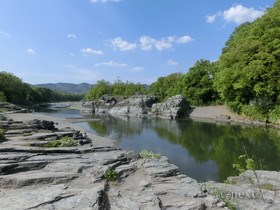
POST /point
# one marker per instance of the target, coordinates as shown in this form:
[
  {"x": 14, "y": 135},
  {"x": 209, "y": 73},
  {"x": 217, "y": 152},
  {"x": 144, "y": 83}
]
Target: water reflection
[{"x": 204, "y": 151}]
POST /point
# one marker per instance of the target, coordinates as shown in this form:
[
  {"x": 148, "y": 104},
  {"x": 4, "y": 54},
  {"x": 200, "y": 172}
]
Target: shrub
[
  {"x": 235, "y": 106},
  {"x": 274, "y": 115},
  {"x": 111, "y": 175},
  {"x": 63, "y": 142},
  {"x": 2, "y": 137},
  {"x": 149, "y": 155}
]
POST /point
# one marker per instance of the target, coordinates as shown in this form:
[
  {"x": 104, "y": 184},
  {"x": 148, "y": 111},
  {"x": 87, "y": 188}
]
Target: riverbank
[
  {"x": 82, "y": 177},
  {"x": 62, "y": 124},
  {"x": 91, "y": 176},
  {"x": 221, "y": 113}
]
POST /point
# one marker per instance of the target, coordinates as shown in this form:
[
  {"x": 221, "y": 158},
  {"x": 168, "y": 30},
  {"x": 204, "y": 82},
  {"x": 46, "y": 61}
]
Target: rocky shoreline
[{"x": 34, "y": 177}]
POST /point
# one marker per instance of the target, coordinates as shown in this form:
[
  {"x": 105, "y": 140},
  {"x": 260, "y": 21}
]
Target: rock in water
[
  {"x": 173, "y": 108},
  {"x": 88, "y": 107},
  {"x": 135, "y": 106}
]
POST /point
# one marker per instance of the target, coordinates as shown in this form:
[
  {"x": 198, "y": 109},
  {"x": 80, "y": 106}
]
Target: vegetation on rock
[
  {"x": 63, "y": 142},
  {"x": 118, "y": 88},
  {"x": 149, "y": 155},
  {"x": 2, "y": 137},
  {"x": 111, "y": 175}
]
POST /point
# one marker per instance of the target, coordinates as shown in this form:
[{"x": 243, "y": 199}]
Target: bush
[
  {"x": 2, "y": 137},
  {"x": 63, "y": 142},
  {"x": 111, "y": 175},
  {"x": 149, "y": 155},
  {"x": 274, "y": 115},
  {"x": 235, "y": 106},
  {"x": 254, "y": 113}
]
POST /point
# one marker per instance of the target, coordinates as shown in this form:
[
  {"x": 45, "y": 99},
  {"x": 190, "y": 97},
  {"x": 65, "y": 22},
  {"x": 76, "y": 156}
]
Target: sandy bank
[
  {"x": 62, "y": 124},
  {"x": 212, "y": 112}
]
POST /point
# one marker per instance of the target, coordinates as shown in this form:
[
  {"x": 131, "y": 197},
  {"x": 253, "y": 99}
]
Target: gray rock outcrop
[
  {"x": 135, "y": 106},
  {"x": 250, "y": 190},
  {"x": 173, "y": 108},
  {"x": 75, "y": 178},
  {"x": 88, "y": 107},
  {"x": 104, "y": 104}
]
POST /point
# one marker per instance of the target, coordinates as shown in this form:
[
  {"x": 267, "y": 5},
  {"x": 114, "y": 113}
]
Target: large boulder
[
  {"x": 135, "y": 106},
  {"x": 104, "y": 104},
  {"x": 173, "y": 108},
  {"x": 88, "y": 107}
]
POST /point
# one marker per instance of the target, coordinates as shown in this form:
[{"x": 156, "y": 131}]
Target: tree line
[
  {"x": 246, "y": 77},
  {"x": 13, "y": 90}
]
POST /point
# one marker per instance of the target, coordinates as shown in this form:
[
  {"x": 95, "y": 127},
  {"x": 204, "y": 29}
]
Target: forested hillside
[
  {"x": 81, "y": 88},
  {"x": 13, "y": 90}
]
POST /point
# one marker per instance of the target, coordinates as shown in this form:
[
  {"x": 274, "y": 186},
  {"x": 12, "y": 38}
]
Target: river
[{"x": 202, "y": 150}]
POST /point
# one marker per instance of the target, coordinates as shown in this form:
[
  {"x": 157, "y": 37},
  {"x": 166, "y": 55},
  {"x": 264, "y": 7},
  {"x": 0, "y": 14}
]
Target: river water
[{"x": 204, "y": 151}]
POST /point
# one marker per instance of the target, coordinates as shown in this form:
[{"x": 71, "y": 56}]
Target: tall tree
[{"x": 197, "y": 84}]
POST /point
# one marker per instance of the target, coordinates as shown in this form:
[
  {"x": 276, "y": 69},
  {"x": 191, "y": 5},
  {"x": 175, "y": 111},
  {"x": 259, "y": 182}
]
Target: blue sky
[{"x": 44, "y": 41}]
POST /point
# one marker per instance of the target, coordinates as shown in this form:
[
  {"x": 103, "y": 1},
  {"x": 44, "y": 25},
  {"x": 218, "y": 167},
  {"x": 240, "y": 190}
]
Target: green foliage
[
  {"x": 2, "y": 96},
  {"x": 15, "y": 91},
  {"x": 111, "y": 175},
  {"x": 221, "y": 194},
  {"x": 268, "y": 186},
  {"x": 2, "y": 137},
  {"x": 118, "y": 88},
  {"x": 63, "y": 142},
  {"x": 249, "y": 164},
  {"x": 249, "y": 66},
  {"x": 197, "y": 84},
  {"x": 149, "y": 155},
  {"x": 167, "y": 86}
]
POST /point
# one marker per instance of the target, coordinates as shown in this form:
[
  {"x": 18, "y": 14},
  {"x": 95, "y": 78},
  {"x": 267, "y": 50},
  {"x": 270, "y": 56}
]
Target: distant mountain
[{"x": 81, "y": 88}]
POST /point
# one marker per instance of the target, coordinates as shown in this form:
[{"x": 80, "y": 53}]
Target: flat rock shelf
[{"x": 34, "y": 177}]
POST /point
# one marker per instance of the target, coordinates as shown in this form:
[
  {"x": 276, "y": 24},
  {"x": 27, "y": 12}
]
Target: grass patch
[
  {"x": 222, "y": 194},
  {"x": 2, "y": 137},
  {"x": 63, "y": 142},
  {"x": 111, "y": 175},
  {"x": 3, "y": 110},
  {"x": 149, "y": 155},
  {"x": 268, "y": 186}
]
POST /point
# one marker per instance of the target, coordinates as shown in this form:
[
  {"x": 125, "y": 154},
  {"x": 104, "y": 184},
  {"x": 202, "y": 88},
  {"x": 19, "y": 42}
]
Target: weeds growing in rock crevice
[
  {"x": 149, "y": 155},
  {"x": 62, "y": 142},
  {"x": 251, "y": 166},
  {"x": 2, "y": 137},
  {"x": 111, "y": 175}
]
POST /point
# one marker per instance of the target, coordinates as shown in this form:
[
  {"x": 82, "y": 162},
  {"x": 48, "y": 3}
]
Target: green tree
[
  {"x": 167, "y": 86},
  {"x": 102, "y": 87},
  {"x": 2, "y": 96},
  {"x": 197, "y": 84},
  {"x": 249, "y": 77}
]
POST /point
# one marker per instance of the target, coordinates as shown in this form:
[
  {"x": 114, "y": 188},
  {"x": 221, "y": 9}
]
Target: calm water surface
[{"x": 204, "y": 151}]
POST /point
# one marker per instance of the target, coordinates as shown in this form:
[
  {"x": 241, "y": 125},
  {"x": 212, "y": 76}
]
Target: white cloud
[
  {"x": 240, "y": 14},
  {"x": 3, "y": 33},
  {"x": 237, "y": 14},
  {"x": 211, "y": 18},
  {"x": 136, "y": 69},
  {"x": 171, "y": 62},
  {"x": 72, "y": 54},
  {"x": 119, "y": 44},
  {"x": 148, "y": 43},
  {"x": 30, "y": 50},
  {"x": 184, "y": 39},
  {"x": 71, "y": 36},
  {"x": 104, "y": 1},
  {"x": 90, "y": 51},
  {"x": 110, "y": 64}
]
